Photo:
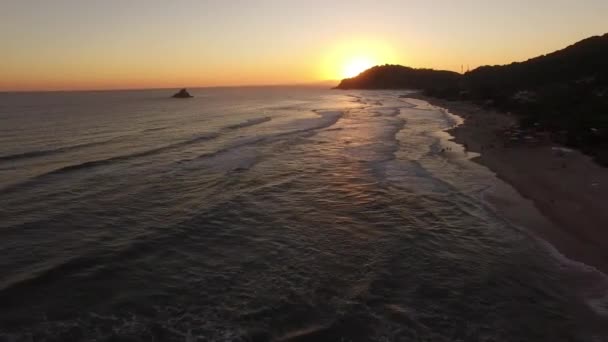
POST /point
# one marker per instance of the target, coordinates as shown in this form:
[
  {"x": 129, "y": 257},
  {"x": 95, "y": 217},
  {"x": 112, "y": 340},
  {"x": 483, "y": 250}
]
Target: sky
[{"x": 123, "y": 44}]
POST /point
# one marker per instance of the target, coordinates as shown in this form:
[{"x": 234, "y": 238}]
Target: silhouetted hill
[
  {"x": 399, "y": 77},
  {"x": 585, "y": 61},
  {"x": 565, "y": 92}
]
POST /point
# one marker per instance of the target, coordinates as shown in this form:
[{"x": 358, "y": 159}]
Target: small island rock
[{"x": 182, "y": 94}]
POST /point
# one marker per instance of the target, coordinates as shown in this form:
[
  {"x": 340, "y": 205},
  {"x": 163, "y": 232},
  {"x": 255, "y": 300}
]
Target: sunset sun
[
  {"x": 350, "y": 57},
  {"x": 356, "y": 66}
]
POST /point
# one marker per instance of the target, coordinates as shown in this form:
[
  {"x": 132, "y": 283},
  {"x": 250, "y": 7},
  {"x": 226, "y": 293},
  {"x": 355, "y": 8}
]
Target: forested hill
[
  {"x": 565, "y": 92},
  {"x": 585, "y": 61},
  {"x": 399, "y": 77}
]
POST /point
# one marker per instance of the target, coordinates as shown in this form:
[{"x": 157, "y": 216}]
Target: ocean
[{"x": 262, "y": 214}]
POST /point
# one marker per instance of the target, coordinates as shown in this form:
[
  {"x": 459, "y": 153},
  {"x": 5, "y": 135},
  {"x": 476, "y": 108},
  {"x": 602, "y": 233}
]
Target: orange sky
[{"x": 69, "y": 44}]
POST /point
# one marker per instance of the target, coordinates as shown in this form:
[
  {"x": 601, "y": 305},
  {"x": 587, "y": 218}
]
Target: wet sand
[{"x": 569, "y": 189}]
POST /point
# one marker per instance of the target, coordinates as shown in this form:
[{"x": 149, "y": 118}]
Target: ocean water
[{"x": 263, "y": 214}]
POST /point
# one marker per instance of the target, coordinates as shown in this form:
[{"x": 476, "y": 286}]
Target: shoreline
[{"x": 568, "y": 188}]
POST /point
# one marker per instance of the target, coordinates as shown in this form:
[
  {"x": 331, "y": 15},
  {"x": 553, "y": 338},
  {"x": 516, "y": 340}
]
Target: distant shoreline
[{"x": 568, "y": 188}]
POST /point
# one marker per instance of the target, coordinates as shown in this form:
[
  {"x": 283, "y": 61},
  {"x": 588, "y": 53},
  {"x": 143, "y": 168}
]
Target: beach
[{"x": 566, "y": 186}]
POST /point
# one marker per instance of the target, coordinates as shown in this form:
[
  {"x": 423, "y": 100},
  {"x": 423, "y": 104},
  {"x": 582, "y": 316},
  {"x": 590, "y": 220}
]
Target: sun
[
  {"x": 356, "y": 66},
  {"x": 348, "y": 57}
]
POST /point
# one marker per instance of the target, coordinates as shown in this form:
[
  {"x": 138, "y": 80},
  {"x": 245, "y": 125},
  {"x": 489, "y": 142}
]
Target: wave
[
  {"x": 47, "y": 152},
  {"x": 155, "y": 129},
  {"x": 52, "y": 271},
  {"x": 327, "y": 119},
  {"x": 388, "y": 111},
  {"x": 250, "y": 122},
  {"x": 64, "y": 149},
  {"x": 120, "y": 158}
]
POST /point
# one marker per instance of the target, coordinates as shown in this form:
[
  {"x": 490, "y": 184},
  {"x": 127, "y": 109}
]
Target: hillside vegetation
[{"x": 564, "y": 92}]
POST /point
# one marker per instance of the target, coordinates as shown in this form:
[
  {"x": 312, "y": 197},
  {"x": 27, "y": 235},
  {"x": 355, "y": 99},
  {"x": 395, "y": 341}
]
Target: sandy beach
[{"x": 566, "y": 186}]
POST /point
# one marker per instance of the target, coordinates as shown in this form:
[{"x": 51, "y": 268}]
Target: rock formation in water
[{"x": 182, "y": 94}]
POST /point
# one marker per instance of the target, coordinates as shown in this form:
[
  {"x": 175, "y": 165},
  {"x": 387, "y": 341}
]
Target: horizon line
[{"x": 303, "y": 84}]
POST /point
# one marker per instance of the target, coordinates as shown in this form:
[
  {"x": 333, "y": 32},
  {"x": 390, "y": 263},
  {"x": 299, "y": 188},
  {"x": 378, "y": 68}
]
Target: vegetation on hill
[
  {"x": 564, "y": 92},
  {"x": 400, "y": 77}
]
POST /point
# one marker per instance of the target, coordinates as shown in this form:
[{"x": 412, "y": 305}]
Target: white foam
[
  {"x": 250, "y": 122},
  {"x": 595, "y": 289}
]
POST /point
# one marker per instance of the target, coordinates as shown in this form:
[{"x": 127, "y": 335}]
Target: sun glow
[
  {"x": 356, "y": 66},
  {"x": 351, "y": 57}
]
